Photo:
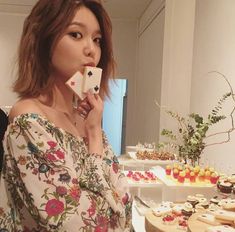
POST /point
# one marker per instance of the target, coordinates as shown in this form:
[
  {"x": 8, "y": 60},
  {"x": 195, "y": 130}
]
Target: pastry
[
  {"x": 177, "y": 210},
  {"x": 168, "y": 219},
  {"x": 214, "y": 200},
  {"x": 224, "y": 215},
  {"x": 183, "y": 225},
  {"x": 224, "y": 228},
  {"x": 228, "y": 204},
  {"x": 208, "y": 218},
  {"x": 162, "y": 210}
]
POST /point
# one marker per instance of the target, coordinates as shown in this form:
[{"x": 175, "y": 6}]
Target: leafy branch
[{"x": 192, "y": 131}]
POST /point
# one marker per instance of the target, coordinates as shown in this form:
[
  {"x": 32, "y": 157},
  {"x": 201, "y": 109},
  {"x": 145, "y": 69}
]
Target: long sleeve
[{"x": 53, "y": 184}]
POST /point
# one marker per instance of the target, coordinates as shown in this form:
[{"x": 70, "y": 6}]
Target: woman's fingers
[
  {"x": 82, "y": 112},
  {"x": 95, "y": 101}
]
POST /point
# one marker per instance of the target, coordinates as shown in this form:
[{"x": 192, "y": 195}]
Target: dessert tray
[
  {"x": 171, "y": 181},
  {"x": 134, "y": 156},
  {"x": 141, "y": 179},
  {"x": 197, "y": 214}
]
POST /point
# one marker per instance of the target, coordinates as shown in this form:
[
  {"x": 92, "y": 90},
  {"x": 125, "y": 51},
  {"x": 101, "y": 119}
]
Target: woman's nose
[{"x": 89, "y": 48}]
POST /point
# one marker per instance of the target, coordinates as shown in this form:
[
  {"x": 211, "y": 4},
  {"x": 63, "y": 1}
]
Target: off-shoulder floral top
[{"x": 50, "y": 182}]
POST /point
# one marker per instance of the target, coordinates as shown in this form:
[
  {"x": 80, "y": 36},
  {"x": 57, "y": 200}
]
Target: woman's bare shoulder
[{"x": 24, "y": 106}]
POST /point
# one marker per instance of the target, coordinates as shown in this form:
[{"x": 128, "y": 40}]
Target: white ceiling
[{"x": 122, "y": 9}]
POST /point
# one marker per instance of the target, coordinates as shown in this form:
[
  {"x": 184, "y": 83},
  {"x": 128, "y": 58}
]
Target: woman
[
  {"x": 3, "y": 127},
  {"x": 60, "y": 173}
]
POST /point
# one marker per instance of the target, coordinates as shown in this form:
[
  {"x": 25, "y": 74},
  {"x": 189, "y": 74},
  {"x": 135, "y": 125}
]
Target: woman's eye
[
  {"x": 98, "y": 40},
  {"x": 76, "y": 35}
]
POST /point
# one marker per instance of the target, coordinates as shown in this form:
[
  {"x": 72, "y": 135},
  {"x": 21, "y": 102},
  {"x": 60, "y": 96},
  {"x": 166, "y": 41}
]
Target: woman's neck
[{"x": 62, "y": 98}]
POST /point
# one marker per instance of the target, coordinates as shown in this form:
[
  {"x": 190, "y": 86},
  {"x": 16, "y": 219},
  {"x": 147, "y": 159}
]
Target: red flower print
[
  {"x": 91, "y": 210},
  {"x": 22, "y": 160},
  {"x": 26, "y": 229},
  {"x": 115, "y": 167},
  {"x": 51, "y": 157},
  {"x": 101, "y": 228},
  {"x": 75, "y": 193},
  {"x": 75, "y": 181},
  {"x": 114, "y": 221},
  {"x": 102, "y": 224},
  {"x": 61, "y": 190},
  {"x": 125, "y": 199},
  {"x": 54, "y": 207},
  {"x": 59, "y": 154},
  {"x": 52, "y": 144},
  {"x": 35, "y": 171},
  {"x": 2, "y": 212}
]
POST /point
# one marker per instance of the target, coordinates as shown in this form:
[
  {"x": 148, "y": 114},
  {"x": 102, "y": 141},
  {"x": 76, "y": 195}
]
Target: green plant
[{"x": 192, "y": 131}]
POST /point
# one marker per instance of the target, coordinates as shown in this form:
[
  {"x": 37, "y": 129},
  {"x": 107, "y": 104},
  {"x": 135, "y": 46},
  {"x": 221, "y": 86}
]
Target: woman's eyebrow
[{"x": 83, "y": 26}]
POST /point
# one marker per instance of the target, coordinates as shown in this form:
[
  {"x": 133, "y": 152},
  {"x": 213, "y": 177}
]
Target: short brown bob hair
[{"x": 42, "y": 30}]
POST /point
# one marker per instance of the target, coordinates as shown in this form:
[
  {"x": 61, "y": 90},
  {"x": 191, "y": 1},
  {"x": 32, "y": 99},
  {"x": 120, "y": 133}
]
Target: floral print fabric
[{"x": 50, "y": 182}]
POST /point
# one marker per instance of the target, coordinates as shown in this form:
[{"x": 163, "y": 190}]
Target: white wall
[
  {"x": 149, "y": 75},
  {"x": 177, "y": 60},
  {"x": 214, "y": 49},
  {"x": 125, "y": 53},
  {"x": 10, "y": 31}
]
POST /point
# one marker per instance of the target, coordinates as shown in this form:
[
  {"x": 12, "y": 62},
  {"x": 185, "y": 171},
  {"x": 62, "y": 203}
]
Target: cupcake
[
  {"x": 168, "y": 170},
  {"x": 175, "y": 173},
  {"x": 181, "y": 177},
  {"x": 225, "y": 186},
  {"x": 187, "y": 209},
  {"x": 192, "y": 200},
  {"x": 207, "y": 175},
  {"x": 201, "y": 175},
  {"x": 205, "y": 204},
  {"x": 202, "y": 199},
  {"x": 192, "y": 177},
  {"x": 196, "y": 170},
  {"x": 199, "y": 208},
  {"x": 214, "y": 200},
  {"x": 214, "y": 178},
  {"x": 187, "y": 173}
]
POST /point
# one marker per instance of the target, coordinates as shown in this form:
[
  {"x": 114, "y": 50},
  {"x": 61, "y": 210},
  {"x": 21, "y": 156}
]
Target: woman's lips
[{"x": 90, "y": 64}]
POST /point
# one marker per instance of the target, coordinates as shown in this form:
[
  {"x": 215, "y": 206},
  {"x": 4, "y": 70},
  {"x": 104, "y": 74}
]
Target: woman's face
[{"x": 79, "y": 46}]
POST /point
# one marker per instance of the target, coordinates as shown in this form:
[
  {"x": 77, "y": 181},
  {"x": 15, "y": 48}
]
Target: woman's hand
[
  {"x": 91, "y": 109},
  {"x": 94, "y": 116}
]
